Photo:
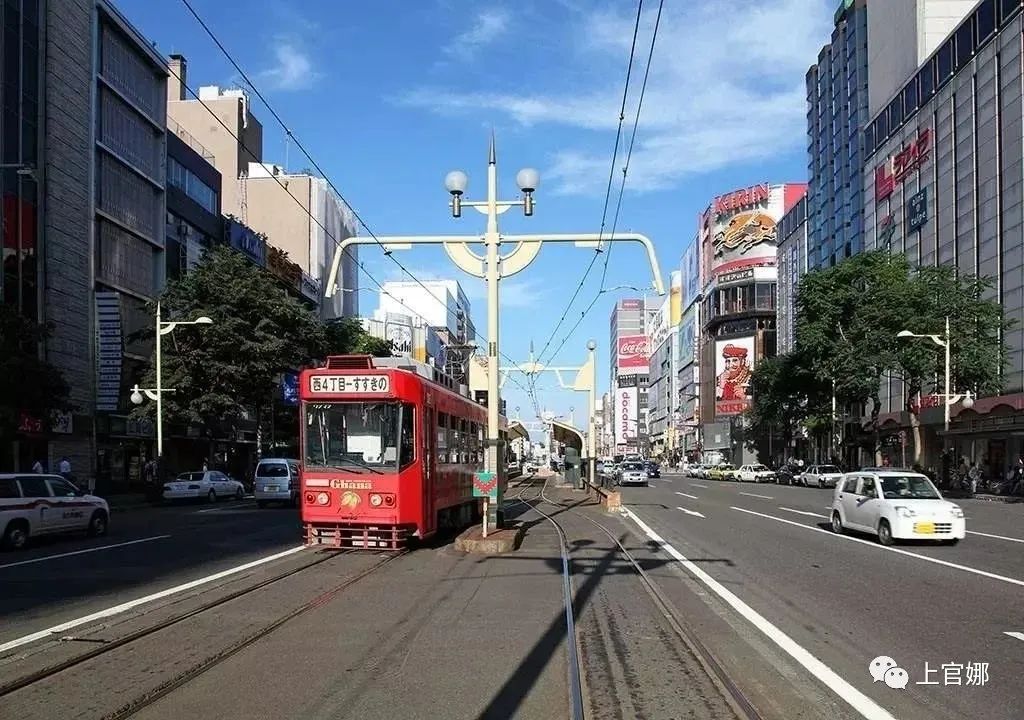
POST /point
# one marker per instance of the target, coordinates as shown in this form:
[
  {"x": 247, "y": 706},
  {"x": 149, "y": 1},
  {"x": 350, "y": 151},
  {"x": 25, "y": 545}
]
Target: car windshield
[
  {"x": 914, "y": 487},
  {"x": 832, "y": 469},
  {"x": 758, "y": 468},
  {"x": 357, "y": 435},
  {"x": 191, "y": 477}
]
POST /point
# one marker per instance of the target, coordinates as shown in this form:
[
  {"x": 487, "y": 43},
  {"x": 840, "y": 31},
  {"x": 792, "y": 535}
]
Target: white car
[
  {"x": 821, "y": 475},
  {"x": 896, "y": 505},
  {"x": 209, "y": 484},
  {"x": 755, "y": 473},
  {"x": 32, "y": 504},
  {"x": 633, "y": 473}
]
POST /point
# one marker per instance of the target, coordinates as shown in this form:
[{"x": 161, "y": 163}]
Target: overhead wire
[
  {"x": 316, "y": 220},
  {"x": 293, "y": 138},
  {"x": 622, "y": 184}
]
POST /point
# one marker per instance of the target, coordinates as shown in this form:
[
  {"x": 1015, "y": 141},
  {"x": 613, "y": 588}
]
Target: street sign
[
  {"x": 917, "y": 211},
  {"x": 485, "y": 484}
]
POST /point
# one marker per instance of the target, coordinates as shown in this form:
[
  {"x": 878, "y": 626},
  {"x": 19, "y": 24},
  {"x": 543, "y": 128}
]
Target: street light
[
  {"x": 156, "y": 394},
  {"x": 492, "y": 266},
  {"x": 948, "y": 399}
]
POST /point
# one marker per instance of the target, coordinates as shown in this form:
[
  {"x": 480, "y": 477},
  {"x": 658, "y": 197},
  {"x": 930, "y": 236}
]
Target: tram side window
[
  {"x": 465, "y": 441},
  {"x": 442, "y": 438},
  {"x": 474, "y": 437},
  {"x": 407, "y": 446}
]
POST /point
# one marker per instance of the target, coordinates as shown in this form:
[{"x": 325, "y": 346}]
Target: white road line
[
  {"x": 804, "y": 512},
  {"x": 1018, "y": 635},
  {"x": 946, "y": 563},
  {"x": 82, "y": 552},
  {"x": 692, "y": 497},
  {"x": 699, "y": 485},
  {"x": 233, "y": 506},
  {"x": 118, "y": 609},
  {"x": 764, "y": 497},
  {"x": 997, "y": 537},
  {"x": 690, "y": 512},
  {"x": 860, "y": 702}
]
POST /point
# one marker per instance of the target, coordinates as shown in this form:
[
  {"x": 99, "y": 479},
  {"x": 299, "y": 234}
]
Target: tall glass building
[{"x": 837, "y": 107}]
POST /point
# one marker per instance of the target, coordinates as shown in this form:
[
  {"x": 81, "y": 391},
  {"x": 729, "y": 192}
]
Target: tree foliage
[
  {"x": 345, "y": 336},
  {"x": 847, "y": 320},
  {"x": 27, "y": 384}
]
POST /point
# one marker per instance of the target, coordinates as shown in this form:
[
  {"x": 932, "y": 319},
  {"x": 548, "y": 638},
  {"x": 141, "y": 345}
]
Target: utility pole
[{"x": 493, "y": 267}]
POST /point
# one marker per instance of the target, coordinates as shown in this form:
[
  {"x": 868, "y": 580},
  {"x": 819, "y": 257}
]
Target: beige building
[{"x": 233, "y": 144}]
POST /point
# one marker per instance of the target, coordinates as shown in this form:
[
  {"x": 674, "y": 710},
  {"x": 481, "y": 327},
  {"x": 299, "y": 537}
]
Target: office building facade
[
  {"x": 194, "y": 222},
  {"x": 689, "y": 335},
  {"x": 791, "y": 260},
  {"x": 630, "y": 372},
  {"x": 945, "y": 179}
]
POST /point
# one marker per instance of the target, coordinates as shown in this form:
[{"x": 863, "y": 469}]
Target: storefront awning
[
  {"x": 517, "y": 430},
  {"x": 568, "y": 435}
]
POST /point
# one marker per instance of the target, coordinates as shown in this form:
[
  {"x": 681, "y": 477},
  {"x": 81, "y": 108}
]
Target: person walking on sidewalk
[
  {"x": 1018, "y": 477},
  {"x": 37, "y": 467}
]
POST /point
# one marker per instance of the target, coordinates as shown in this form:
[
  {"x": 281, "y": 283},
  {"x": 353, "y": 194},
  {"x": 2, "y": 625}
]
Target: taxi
[{"x": 36, "y": 504}]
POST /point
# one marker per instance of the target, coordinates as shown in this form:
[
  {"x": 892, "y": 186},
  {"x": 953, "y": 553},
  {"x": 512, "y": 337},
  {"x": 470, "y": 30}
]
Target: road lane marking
[
  {"x": 690, "y": 512},
  {"x": 699, "y": 485},
  {"x": 860, "y": 702},
  {"x": 869, "y": 543},
  {"x": 82, "y": 552},
  {"x": 764, "y": 497},
  {"x": 1018, "y": 635},
  {"x": 693, "y": 497},
  {"x": 229, "y": 506},
  {"x": 997, "y": 537},
  {"x": 118, "y": 609},
  {"x": 804, "y": 512}
]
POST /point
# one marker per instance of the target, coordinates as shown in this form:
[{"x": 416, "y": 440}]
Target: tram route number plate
[{"x": 361, "y": 384}]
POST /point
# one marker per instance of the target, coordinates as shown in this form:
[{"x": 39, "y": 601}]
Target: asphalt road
[{"x": 846, "y": 601}]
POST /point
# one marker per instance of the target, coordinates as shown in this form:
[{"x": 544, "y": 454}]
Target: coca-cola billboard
[{"x": 633, "y": 356}]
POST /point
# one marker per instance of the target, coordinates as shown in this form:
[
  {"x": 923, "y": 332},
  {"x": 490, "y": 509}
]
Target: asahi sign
[{"x": 898, "y": 167}]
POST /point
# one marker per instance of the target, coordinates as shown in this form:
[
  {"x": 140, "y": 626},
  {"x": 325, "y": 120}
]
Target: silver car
[
  {"x": 276, "y": 480},
  {"x": 633, "y": 473},
  {"x": 821, "y": 475}
]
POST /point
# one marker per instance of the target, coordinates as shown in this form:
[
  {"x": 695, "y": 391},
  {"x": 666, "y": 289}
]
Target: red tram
[{"x": 388, "y": 453}]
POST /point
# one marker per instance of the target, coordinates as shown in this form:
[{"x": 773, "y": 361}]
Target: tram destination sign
[{"x": 353, "y": 384}]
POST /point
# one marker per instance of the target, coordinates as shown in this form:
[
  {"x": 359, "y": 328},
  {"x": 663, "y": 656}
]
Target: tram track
[
  {"x": 729, "y": 689},
  {"x": 125, "y": 642}
]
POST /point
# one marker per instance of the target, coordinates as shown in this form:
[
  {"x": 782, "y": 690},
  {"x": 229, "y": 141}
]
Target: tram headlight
[
  {"x": 323, "y": 499},
  {"x": 376, "y": 500}
]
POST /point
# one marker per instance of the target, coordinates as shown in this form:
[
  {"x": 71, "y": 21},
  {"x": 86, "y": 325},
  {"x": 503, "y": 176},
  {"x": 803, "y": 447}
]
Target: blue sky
[{"x": 390, "y": 95}]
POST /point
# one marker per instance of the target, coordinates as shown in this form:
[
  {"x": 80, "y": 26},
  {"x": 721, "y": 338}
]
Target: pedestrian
[
  {"x": 1018, "y": 477},
  {"x": 206, "y": 464},
  {"x": 37, "y": 467},
  {"x": 65, "y": 467}
]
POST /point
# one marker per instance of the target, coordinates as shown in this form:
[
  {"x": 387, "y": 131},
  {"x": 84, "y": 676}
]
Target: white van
[
  {"x": 32, "y": 504},
  {"x": 276, "y": 480}
]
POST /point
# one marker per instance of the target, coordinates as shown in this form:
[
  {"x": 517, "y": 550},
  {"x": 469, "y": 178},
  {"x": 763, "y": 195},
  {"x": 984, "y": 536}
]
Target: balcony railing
[{"x": 186, "y": 136}]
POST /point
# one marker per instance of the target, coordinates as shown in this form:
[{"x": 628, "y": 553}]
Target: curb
[{"x": 497, "y": 542}]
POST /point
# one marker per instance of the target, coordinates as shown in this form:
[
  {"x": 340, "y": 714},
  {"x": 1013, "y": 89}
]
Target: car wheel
[
  {"x": 837, "y": 523},
  {"x": 239, "y": 495},
  {"x": 885, "y": 533},
  {"x": 821, "y": 484},
  {"x": 16, "y": 535},
  {"x": 212, "y": 496},
  {"x": 98, "y": 524}
]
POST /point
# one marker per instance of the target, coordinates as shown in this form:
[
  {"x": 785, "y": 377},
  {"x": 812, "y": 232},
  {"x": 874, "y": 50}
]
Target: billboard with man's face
[{"x": 734, "y": 366}]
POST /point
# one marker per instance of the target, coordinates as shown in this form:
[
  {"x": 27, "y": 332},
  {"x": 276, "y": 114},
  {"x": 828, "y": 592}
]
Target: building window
[
  {"x": 895, "y": 114},
  {"x": 965, "y": 43},
  {"x": 188, "y": 182},
  {"x": 125, "y": 133},
  {"x": 985, "y": 16},
  {"x": 945, "y": 62},
  {"x": 926, "y": 81},
  {"x": 910, "y": 98},
  {"x": 125, "y": 261},
  {"x": 127, "y": 197},
  {"x": 1008, "y": 8},
  {"x": 122, "y": 67}
]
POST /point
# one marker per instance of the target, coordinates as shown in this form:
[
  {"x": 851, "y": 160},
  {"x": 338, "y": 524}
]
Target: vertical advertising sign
[
  {"x": 688, "y": 338},
  {"x": 690, "y": 271},
  {"x": 633, "y": 355},
  {"x": 626, "y": 415},
  {"x": 109, "y": 349},
  {"x": 734, "y": 366}
]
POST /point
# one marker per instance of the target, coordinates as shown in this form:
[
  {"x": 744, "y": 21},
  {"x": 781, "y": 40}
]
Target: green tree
[
  {"x": 346, "y": 336},
  {"x": 27, "y": 384},
  {"x": 787, "y": 397},
  {"x": 223, "y": 370}
]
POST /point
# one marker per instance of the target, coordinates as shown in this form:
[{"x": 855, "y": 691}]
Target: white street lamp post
[
  {"x": 156, "y": 394},
  {"x": 492, "y": 266},
  {"x": 948, "y": 398}
]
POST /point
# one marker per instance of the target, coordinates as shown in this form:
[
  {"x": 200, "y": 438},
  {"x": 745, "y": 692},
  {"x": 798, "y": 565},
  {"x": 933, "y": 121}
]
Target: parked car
[
  {"x": 822, "y": 476},
  {"x": 722, "y": 471},
  {"x": 653, "y": 470},
  {"x": 33, "y": 504},
  {"x": 697, "y": 470},
  {"x": 755, "y": 473},
  {"x": 633, "y": 473},
  {"x": 789, "y": 474},
  {"x": 276, "y": 480},
  {"x": 209, "y": 484},
  {"x": 896, "y": 505}
]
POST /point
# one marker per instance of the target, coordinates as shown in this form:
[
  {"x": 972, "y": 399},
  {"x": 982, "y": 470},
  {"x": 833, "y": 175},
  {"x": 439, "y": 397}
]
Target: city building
[
  {"x": 663, "y": 384},
  {"x": 630, "y": 368},
  {"x": 222, "y": 122},
  {"x": 791, "y": 261},
  {"x": 837, "y": 101},
  {"x": 739, "y": 235},
  {"x": 944, "y": 180},
  {"x": 691, "y": 292},
  {"x": 308, "y": 226},
  {"x": 194, "y": 222}
]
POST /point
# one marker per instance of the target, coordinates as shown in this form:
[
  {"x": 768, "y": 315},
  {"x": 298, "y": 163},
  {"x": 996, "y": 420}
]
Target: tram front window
[{"x": 353, "y": 435}]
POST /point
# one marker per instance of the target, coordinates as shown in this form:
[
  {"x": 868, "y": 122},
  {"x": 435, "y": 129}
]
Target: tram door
[{"x": 429, "y": 468}]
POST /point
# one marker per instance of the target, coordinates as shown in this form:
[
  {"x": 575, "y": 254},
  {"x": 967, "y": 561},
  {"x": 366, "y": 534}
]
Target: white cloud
[
  {"x": 488, "y": 26},
  {"x": 726, "y": 88},
  {"x": 293, "y": 69}
]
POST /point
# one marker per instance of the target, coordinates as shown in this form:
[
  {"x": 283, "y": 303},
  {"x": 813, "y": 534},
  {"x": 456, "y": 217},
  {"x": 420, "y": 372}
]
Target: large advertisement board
[
  {"x": 734, "y": 365},
  {"x": 658, "y": 325},
  {"x": 675, "y": 298},
  {"x": 688, "y": 338},
  {"x": 633, "y": 355},
  {"x": 690, "y": 271},
  {"x": 744, "y": 232},
  {"x": 626, "y": 415}
]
